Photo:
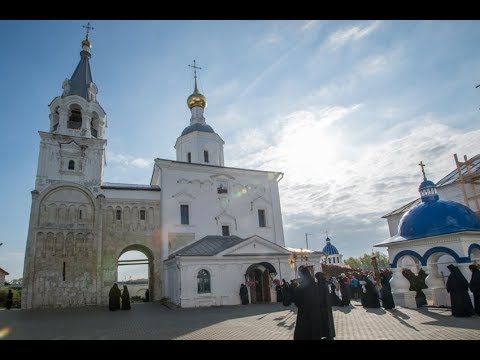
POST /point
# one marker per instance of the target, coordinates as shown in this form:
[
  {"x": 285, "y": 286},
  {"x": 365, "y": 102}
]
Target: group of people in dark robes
[
  {"x": 457, "y": 287},
  {"x": 314, "y": 315},
  {"x": 287, "y": 292},
  {"x": 114, "y": 297}
]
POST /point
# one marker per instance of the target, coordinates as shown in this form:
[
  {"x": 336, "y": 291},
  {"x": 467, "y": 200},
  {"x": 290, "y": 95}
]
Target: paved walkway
[{"x": 259, "y": 322}]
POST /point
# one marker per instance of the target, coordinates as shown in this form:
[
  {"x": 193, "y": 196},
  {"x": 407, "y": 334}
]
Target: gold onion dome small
[
  {"x": 197, "y": 99},
  {"x": 86, "y": 43}
]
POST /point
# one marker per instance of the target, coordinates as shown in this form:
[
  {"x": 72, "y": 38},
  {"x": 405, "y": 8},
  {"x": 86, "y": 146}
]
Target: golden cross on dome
[
  {"x": 423, "y": 170},
  {"x": 88, "y": 27}
]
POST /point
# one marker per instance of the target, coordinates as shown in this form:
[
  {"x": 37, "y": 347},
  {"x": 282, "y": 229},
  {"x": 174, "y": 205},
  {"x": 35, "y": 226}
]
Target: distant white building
[
  {"x": 204, "y": 227},
  {"x": 333, "y": 257},
  {"x": 3, "y": 273}
]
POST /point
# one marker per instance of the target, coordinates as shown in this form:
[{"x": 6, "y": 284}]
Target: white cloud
[
  {"x": 330, "y": 181},
  {"x": 310, "y": 25},
  {"x": 128, "y": 161},
  {"x": 351, "y": 33},
  {"x": 141, "y": 163}
]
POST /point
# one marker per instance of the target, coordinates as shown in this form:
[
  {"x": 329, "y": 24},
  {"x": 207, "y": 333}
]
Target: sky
[{"x": 345, "y": 109}]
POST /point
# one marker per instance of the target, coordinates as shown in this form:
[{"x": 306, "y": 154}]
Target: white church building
[
  {"x": 205, "y": 228},
  {"x": 432, "y": 232}
]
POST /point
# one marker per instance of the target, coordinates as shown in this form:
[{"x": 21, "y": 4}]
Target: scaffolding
[{"x": 469, "y": 177}]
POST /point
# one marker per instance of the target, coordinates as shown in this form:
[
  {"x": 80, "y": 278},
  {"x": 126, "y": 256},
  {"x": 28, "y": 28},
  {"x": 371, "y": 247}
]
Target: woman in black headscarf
[
  {"x": 386, "y": 291},
  {"x": 372, "y": 299},
  {"x": 327, "y": 326},
  {"x": 125, "y": 299},
  {"x": 244, "y": 294},
  {"x": 457, "y": 286},
  {"x": 306, "y": 298},
  {"x": 9, "y": 302},
  {"x": 475, "y": 287},
  {"x": 114, "y": 298}
]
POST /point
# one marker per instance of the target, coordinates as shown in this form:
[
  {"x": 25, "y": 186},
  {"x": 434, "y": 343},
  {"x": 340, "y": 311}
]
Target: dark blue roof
[
  {"x": 329, "y": 249},
  {"x": 426, "y": 184},
  {"x": 82, "y": 77},
  {"x": 197, "y": 127},
  {"x": 437, "y": 218}
]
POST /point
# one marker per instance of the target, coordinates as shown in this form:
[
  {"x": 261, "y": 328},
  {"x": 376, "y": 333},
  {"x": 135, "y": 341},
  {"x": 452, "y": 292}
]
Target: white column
[
  {"x": 86, "y": 121},
  {"x": 436, "y": 286},
  {"x": 400, "y": 290},
  {"x": 62, "y": 121}
]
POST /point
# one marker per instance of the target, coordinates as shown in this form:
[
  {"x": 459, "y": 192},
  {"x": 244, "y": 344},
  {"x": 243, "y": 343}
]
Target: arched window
[
  {"x": 205, "y": 156},
  {"x": 71, "y": 165},
  {"x": 75, "y": 120},
  {"x": 189, "y": 157},
  {"x": 203, "y": 281}
]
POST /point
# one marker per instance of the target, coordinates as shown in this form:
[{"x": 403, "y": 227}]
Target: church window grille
[
  {"x": 203, "y": 281},
  {"x": 225, "y": 230},
  {"x": 205, "y": 156},
  {"x": 119, "y": 214},
  {"x": 142, "y": 214},
  {"x": 63, "y": 271},
  {"x": 80, "y": 214},
  {"x": 71, "y": 165},
  {"x": 75, "y": 120},
  {"x": 184, "y": 220},
  {"x": 261, "y": 218},
  {"x": 189, "y": 157},
  {"x": 329, "y": 260}
]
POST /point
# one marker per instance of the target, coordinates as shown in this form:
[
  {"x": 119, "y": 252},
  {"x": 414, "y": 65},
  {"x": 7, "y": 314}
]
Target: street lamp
[{"x": 306, "y": 239}]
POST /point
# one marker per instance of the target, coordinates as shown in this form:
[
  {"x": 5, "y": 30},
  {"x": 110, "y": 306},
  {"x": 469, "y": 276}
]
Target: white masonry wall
[{"x": 196, "y": 186}]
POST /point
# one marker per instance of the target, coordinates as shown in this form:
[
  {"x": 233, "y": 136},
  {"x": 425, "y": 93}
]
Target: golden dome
[
  {"x": 86, "y": 43},
  {"x": 197, "y": 99}
]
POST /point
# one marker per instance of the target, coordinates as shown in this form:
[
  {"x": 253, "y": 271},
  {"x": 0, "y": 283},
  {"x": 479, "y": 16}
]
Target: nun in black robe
[
  {"x": 372, "y": 299},
  {"x": 244, "y": 294},
  {"x": 114, "y": 298},
  {"x": 475, "y": 287},
  {"x": 125, "y": 299},
  {"x": 327, "y": 326},
  {"x": 9, "y": 302},
  {"x": 334, "y": 299},
  {"x": 457, "y": 286},
  {"x": 386, "y": 291},
  {"x": 306, "y": 298},
  {"x": 286, "y": 291},
  {"x": 345, "y": 291}
]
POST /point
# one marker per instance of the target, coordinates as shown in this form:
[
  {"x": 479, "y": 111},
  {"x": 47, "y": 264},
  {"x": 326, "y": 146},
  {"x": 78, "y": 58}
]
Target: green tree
[
  {"x": 16, "y": 281},
  {"x": 364, "y": 262}
]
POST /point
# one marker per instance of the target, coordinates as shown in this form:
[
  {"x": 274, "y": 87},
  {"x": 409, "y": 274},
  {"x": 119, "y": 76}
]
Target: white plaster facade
[{"x": 195, "y": 185}]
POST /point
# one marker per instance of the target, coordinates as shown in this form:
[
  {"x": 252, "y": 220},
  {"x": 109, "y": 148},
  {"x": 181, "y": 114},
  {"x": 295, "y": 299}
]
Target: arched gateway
[{"x": 261, "y": 275}]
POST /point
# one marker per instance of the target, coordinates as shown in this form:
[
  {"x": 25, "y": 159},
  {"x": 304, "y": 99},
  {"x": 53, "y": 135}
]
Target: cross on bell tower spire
[{"x": 88, "y": 27}]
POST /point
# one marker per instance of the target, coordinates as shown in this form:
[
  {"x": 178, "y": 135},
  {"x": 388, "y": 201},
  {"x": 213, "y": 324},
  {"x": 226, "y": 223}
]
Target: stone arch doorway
[
  {"x": 259, "y": 274},
  {"x": 136, "y": 260},
  {"x": 436, "y": 260}
]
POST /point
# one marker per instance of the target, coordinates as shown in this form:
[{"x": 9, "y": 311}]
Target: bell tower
[{"x": 73, "y": 150}]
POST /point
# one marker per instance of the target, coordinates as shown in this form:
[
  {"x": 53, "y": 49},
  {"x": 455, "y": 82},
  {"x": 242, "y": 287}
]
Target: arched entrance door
[
  {"x": 135, "y": 270},
  {"x": 260, "y": 274}
]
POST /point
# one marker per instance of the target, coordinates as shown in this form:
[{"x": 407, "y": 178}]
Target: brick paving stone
[{"x": 242, "y": 322}]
